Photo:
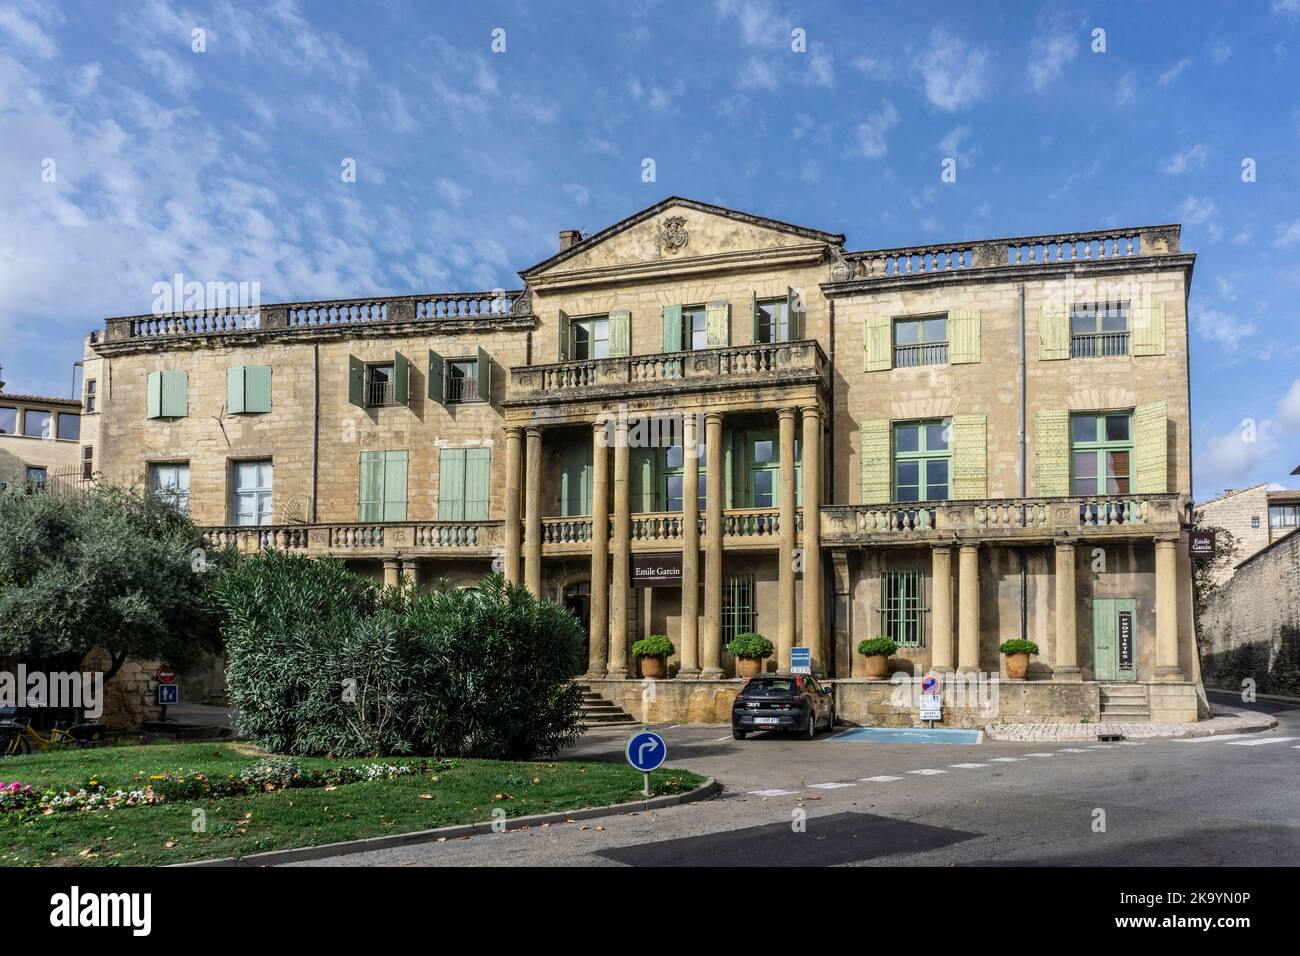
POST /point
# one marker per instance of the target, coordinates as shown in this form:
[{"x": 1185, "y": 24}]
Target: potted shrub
[
  {"x": 877, "y": 651},
  {"x": 654, "y": 652},
  {"x": 749, "y": 650},
  {"x": 1017, "y": 653}
]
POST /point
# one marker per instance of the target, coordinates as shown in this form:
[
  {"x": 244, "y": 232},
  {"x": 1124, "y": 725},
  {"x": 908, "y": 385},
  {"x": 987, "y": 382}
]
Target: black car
[{"x": 798, "y": 703}]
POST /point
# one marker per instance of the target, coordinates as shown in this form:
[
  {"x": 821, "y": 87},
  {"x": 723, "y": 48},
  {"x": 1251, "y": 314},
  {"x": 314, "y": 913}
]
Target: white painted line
[
  {"x": 771, "y": 793},
  {"x": 1006, "y": 759},
  {"x": 828, "y": 786},
  {"x": 1202, "y": 740},
  {"x": 673, "y": 727},
  {"x": 1072, "y": 750},
  {"x": 1100, "y": 746},
  {"x": 979, "y": 738},
  {"x": 1130, "y": 743},
  {"x": 967, "y": 766},
  {"x": 1256, "y": 743},
  {"x": 1040, "y": 755},
  {"x": 883, "y": 778},
  {"x": 728, "y": 737},
  {"x": 928, "y": 773}
]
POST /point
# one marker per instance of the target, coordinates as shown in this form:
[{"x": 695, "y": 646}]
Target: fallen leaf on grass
[{"x": 426, "y": 796}]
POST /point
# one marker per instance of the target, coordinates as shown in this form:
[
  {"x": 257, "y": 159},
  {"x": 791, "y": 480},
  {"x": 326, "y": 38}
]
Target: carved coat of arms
[{"x": 674, "y": 235}]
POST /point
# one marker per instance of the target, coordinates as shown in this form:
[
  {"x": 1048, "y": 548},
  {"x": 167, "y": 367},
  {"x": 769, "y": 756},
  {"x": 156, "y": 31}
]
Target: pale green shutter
[
  {"x": 963, "y": 336},
  {"x": 1051, "y": 454},
  {"x": 483, "y": 369},
  {"x": 356, "y": 381},
  {"x": 874, "y": 448},
  {"x": 1147, "y": 321},
  {"x": 753, "y": 316},
  {"x": 370, "y": 499},
  {"x": 877, "y": 334},
  {"x": 794, "y": 315},
  {"x": 970, "y": 477},
  {"x": 451, "y": 484},
  {"x": 620, "y": 333},
  {"x": 394, "y": 498},
  {"x": 717, "y": 323},
  {"x": 1151, "y": 444},
  {"x": 257, "y": 388},
  {"x": 476, "y": 484},
  {"x": 175, "y": 397},
  {"x": 672, "y": 328},
  {"x": 401, "y": 379},
  {"x": 235, "y": 389},
  {"x": 1054, "y": 332},
  {"x": 564, "y": 335},
  {"x": 435, "y": 378},
  {"x": 153, "y": 395}
]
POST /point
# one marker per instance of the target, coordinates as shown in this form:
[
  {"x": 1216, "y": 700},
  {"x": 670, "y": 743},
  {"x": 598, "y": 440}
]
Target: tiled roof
[{"x": 39, "y": 400}]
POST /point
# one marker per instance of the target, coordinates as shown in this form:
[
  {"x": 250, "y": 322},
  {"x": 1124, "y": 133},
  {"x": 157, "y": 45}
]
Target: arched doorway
[{"x": 577, "y": 598}]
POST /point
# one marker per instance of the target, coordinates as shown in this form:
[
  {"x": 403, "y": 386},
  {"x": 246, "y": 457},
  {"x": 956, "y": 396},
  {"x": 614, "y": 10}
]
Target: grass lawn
[{"x": 160, "y": 834}]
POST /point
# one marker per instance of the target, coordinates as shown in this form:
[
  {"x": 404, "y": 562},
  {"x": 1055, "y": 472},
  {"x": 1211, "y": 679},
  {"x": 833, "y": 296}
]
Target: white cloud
[
  {"x": 580, "y": 195},
  {"x": 1288, "y": 410},
  {"x": 1175, "y": 71},
  {"x": 1126, "y": 93},
  {"x": 951, "y": 145},
  {"x": 1201, "y": 211},
  {"x": 1224, "y": 328},
  {"x": 1288, "y": 234},
  {"x": 25, "y": 23},
  {"x": 1218, "y": 51},
  {"x": 758, "y": 73},
  {"x": 871, "y": 132},
  {"x": 453, "y": 192},
  {"x": 393, "y": 111},
  {"x": 1191, "y": 158},
  {"x": 172, "y": 72},
  {"x": 759, "y": 23},
  {"x": 1050, "y": 53},
  {"x": 1230, "y": 460},
  {"x": 955, "y": 73}
]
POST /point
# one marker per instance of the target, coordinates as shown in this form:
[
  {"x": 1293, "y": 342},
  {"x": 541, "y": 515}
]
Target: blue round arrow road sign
[{"x": 646, "y": 751}]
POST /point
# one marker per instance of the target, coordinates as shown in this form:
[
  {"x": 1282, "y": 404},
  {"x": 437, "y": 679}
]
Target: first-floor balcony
[
  {"x": 750, "y": 529},
  {"x": 363, "y": 539}
]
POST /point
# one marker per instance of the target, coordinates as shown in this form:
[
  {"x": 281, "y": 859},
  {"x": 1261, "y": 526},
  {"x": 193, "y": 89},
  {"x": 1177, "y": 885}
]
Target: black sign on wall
[
  {"x": 1126, "y": 640},
  {"x": 657, "y": 570},
  {"x": 1201, "y": 544}
]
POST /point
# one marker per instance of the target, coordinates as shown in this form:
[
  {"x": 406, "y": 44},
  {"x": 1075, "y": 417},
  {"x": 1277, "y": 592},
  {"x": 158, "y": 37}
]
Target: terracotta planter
[
  {"x": 1017, "y": 666},
  {"x": 877, "y": 667},
  {"x": 749, "y": 666},
  {"x": 654, "y": 668}
]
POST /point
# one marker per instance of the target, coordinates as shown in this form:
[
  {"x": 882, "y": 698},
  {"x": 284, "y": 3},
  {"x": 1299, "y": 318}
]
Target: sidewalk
[{"x": 1225, "y": 721}]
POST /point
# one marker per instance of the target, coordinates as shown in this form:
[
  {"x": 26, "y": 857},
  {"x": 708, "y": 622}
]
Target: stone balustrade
[{"x": 364, "y": 539}]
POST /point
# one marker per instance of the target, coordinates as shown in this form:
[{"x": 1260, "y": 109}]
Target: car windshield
[{"x": 770, "y": 685}]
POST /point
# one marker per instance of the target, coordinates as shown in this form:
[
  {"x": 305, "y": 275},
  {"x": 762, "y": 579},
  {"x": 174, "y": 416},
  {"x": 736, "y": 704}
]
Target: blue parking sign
[
  {"x": 169, "y": 693},
  {"x": 801, "y": 660},
  {"x": 646, "y": 751}
]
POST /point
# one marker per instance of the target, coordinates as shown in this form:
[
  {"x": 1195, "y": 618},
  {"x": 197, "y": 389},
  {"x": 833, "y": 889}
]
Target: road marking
[
  {"x": 1006, "y": 759},
  {"x": 728, "y": 737},
  {"x": 1100, "y": 746},
  {"x": 883, "y": 778},
  {"x": 928, "y": 773},
  {"x": 967, "y": 766},
  {"x": 1256, "y": 743},
  {"x": 771, "y": 793},
  {"x": 1072, "y": 750},
  {"x": 1202, "y": 740},
  {"x": 827, "y": 786},
  {"x": 1040, "y": 755}
]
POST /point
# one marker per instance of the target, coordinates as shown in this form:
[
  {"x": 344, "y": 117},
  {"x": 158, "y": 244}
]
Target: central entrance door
[
  {"x": 577, "y": 598},
  {"x": 1114, "y": 639}
]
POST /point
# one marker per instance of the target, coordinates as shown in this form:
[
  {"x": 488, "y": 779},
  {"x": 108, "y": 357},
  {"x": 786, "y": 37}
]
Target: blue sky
[{"x": 225, "y": 165}]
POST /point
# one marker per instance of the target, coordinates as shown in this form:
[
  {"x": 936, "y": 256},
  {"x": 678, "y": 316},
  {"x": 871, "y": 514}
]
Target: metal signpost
[{"x": 646, "y": 751}]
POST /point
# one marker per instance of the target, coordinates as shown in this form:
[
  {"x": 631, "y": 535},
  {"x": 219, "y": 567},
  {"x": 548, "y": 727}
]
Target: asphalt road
[{"x": 1201, "y": 802}]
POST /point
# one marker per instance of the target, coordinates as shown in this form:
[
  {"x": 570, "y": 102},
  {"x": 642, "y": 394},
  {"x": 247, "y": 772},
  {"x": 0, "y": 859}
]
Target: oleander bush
[{"x": 323, "y": 661}]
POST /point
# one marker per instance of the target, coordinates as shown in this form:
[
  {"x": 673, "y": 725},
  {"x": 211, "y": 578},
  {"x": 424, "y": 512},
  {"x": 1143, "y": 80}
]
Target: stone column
[
  {"x": 690, "y": 631},
  {"x": 622, "y": 572},
  {"x": 786, "y": 624},
  {"x": 514, "y": 482},
  {"x": 392, "y": 572},
  {"x": 410, "y": 573},
  {"x": 941, "y": 608},
  {"x": 812, "y": 563},
  {"x": 968, "y": 628},
  {"x": 598, "y": 625},
  {"x": 1167, "y": 667},
  {"x": 533, "y": 512},
  {"x": 1066, "y": 666},
  {"x": 711, "y": 651}
]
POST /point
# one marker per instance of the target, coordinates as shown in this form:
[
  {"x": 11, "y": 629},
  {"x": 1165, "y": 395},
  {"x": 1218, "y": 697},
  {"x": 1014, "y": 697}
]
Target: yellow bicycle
[{"x": 17, "y": 736}]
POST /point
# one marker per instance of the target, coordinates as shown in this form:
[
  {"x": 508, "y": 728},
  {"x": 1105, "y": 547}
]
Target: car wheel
[
  {"x": 739, "y": 734},
  {"x": 811, "y": 731},
  {"x": 830, "y": 721}
]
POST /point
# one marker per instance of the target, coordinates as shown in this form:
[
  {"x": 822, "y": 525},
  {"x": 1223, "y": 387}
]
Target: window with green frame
[
  {"x": 1101, "y": 453},
  {"x": 922, "y": 460},
  {"x": 737, "y": 605},
  {"x": 772, "y": 320},
  {"x": 902, "y": 607},
  {"x": 763, "y": 482},
  {"x": 672, "y": 477},
  {"x": 695, "y": 328},
  {"x": 589, "y": 337}
]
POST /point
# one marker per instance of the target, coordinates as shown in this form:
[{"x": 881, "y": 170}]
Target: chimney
[
  {"x": 569, "y": 238},
  {"x": 2, "y": 381}
]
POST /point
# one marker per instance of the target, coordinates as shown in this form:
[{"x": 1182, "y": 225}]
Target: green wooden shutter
[
  {"x": 575, "y": 480},
  {"x": 970, "y": 473},
  {"x": 874, "y": 447},
  {"x": 257, "y": 388},
  {"x": 753, "y": 317},
  {"x": 175, "y": 394},
  {"x": 435, "y": 378},
  {"x": 1147, "y": 321},
  {"x": 370, "y": 498},
  {"x": 153, "y": 395},
  {"x": 401, "y": 379},
  {"x": 356, "y": 381},
  {"x": 1104, "y": 650},
  {"x": 235, "y": 389},
  {"x": 717, "y": 323},
  {"x": 563, "y": 326},
  {"x": 1054, "y": 332},
  {"x": 451, "y": 484},
  {"x": 1051, "y": 454},
  {"x": 641, "y": 479},
  {"x": 484, "y": 371},
  {"x": 963, "y": 336},
  {"x": 476, "y": 483},
  {"x": 672, "y": 328},
  {"x": 794, "y": 315},
  {"x": 620, "y": 333},
  {"x": 1151, "y": 444},
  {"x": 877, "y": 336},
  {"x": 394, "y": 499}
]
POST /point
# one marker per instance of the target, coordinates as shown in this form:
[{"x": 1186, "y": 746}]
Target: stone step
[
  {"x": 614, "y": 717},
  {"x": 1126, "y": 712},
  {"x": 1123, "y": 690},
  {"x": 596, "y": 709}
]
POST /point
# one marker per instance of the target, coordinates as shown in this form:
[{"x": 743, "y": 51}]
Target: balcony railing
[
  {"x": 379, "y": 394},
  {"x": 459, "y": 390},
  {"x": 666, "y": 530},
  {"x": 1098, "y": 344},
  {"x": 908, "y": 356},
  {"x": 473, "y": 538}
]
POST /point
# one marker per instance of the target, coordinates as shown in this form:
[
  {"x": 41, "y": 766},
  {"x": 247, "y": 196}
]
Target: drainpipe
[
  {"x": 1024, "y": 596},
  {"x": 315, "y": 423}
]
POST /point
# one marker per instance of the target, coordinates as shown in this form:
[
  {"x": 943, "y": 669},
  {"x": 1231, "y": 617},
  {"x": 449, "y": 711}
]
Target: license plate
[{"x": 767, "y": 720}]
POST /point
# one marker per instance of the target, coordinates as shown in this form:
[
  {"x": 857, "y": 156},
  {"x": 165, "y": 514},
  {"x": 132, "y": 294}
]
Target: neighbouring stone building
[
  {"x": 1256, "y": 516},
  {"x": 40, "y": 440},
  {"x": 951, "y": 444}
]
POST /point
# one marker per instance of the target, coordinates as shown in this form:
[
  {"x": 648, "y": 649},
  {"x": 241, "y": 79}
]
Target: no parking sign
[{"x": 931, "y": 700}]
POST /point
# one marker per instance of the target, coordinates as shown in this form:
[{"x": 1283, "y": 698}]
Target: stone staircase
[
  {"x": 1124, "y": 702},
  {"x": 599, "y": 712}
]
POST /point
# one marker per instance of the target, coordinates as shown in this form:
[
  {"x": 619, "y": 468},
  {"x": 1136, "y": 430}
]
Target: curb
[
  {"x": 1236, "y": 692},
  {"x": 276, "y": 857},
  {"x": 1252, "y": 722}
]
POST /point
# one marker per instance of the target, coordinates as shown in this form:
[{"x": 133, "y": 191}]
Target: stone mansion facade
[{"x": 700, "y": 422}]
